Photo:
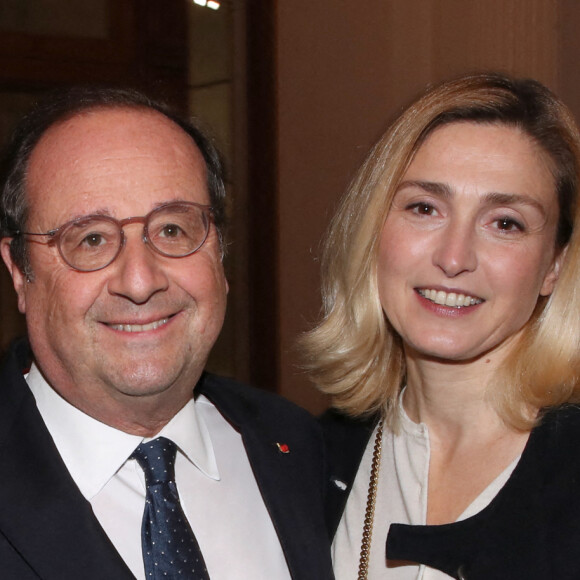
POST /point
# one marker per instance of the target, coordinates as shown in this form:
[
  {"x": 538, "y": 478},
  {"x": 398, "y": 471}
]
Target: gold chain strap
[{"x": 365, "y": 546}]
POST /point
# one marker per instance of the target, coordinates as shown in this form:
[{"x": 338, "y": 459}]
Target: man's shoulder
[
  {"x": 14, "y": 364},
  {"x": 335, "y": 420},
  {"x": 345, "y": 434},
  {"x": 345, "y": 438},
  {"x": 220, "y": 387},
  {"x": 239, "y": 401}
]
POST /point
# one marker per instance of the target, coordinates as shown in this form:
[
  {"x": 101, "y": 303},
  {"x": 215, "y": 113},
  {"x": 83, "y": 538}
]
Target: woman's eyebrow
[
  {"x": 445, "y": 191},
  {"x": 434, "y": 187},
  {"x": 495, "y": 198}
]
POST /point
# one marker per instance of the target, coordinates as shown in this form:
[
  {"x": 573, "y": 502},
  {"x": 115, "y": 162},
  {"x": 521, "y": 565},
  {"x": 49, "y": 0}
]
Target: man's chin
[{"x": 144, "y": 380}]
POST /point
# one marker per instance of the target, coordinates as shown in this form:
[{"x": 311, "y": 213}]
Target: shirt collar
[
  {"x": 189, "y": 432},
  {"x": 93, "y": 451},
  {"x": 408, "y": 425}
]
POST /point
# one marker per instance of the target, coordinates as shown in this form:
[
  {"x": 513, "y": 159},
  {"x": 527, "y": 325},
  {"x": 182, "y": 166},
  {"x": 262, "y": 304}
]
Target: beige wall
[
  {"x": 344, "y": 69},
  {"x": 210, "y": 101}
]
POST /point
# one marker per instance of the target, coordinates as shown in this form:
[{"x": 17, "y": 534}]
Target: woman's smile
[{"x": 452, "y": 299}]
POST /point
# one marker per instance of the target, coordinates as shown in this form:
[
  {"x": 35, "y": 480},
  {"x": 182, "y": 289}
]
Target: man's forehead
[
  {"x": 101, "y": 121},
  {"x": 116, "y": 151}
]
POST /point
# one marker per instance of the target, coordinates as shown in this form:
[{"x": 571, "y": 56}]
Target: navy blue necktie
[{"x": 170, "y": 549}]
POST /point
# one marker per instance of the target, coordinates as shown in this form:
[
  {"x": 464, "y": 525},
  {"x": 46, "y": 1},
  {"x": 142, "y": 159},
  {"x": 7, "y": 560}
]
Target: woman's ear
[{"x": 553, "y": 273}]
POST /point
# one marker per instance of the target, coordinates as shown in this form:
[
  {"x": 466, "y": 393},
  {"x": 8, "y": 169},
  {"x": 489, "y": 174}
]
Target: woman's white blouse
[{"x": 401, "y": 498}]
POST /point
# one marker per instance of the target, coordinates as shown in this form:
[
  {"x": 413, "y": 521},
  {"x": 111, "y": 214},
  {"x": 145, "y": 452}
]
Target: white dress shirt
[
  {"x": 217, "y": 488},
  {"x": 401, "y": 498}
]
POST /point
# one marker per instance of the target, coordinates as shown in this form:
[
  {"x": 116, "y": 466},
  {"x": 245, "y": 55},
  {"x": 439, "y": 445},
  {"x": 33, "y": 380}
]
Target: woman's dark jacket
[{"x": 530, "y": 530}]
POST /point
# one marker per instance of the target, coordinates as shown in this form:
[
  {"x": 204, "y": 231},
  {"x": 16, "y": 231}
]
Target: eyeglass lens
[{"x": 94, "y": 242}]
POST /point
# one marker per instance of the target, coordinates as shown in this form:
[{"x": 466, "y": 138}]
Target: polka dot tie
[{"x": 170, "y": 549}]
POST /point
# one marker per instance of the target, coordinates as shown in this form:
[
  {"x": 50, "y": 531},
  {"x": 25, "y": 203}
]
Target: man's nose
[
  {"x": 138, "y": 272},
  {"x": 455, "y": 249}
]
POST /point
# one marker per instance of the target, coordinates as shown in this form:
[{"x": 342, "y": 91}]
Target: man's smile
[{"x": 139, "y": 327}]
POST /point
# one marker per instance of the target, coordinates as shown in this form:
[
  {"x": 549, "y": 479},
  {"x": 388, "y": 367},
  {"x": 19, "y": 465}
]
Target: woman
[{"x": 450, "y": 342}]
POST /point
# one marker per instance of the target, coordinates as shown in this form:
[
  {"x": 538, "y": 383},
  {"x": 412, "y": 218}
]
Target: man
[{"x": 112, "y": 210}]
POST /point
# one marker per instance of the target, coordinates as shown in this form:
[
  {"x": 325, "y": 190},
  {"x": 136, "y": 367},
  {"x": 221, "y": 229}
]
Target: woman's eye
[
  {"x": 507, "y": 224},
  {"x": 422, "y": 208}
]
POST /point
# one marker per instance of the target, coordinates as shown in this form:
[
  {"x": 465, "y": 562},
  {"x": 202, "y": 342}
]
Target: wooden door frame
[{"x": 262, "y": 188}]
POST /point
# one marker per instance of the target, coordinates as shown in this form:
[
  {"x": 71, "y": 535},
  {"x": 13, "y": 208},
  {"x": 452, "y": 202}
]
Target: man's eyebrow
[
  {"x": 97, "y": 212},
  {"x": 492, "y": 198},
  {"x": 102, "y": 211}
]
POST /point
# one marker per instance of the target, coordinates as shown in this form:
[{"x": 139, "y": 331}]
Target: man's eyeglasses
[{"x": 92, "y": 242}]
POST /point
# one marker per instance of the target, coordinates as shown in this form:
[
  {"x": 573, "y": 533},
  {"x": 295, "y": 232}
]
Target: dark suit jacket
[
  {"x": 48, "y": 530},
  {"x": 529, "y": 531}
]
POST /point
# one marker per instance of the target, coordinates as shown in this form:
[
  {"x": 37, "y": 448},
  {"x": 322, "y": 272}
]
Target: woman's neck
[
  {"x": 451, "y": 397},
  {"x": 470, "y": 445}
]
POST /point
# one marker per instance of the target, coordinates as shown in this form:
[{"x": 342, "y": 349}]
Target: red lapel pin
[{"x": 283, "y": 448}]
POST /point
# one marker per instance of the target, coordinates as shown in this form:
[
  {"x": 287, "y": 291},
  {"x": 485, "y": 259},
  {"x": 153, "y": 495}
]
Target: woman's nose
[{"x": 455, "y": 249}]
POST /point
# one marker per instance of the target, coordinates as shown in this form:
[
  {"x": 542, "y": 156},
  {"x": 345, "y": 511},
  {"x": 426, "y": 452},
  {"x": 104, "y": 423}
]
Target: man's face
[{"x": 136, "y": 334}]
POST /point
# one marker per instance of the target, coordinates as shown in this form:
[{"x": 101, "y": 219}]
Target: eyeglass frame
[{"x": 56, "y": 234}]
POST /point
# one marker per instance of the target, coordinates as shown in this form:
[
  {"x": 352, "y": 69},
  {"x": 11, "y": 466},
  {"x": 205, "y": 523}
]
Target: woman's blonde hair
[{"x": 354, "y": 354}]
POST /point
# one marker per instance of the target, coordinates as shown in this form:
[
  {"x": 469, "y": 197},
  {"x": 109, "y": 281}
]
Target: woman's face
[{"x": 469, "y": 243}]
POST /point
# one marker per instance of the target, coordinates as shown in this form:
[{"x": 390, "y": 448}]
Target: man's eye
[
  {"x": 170, "y": 231},
  {"x": 93, "y": 240}
]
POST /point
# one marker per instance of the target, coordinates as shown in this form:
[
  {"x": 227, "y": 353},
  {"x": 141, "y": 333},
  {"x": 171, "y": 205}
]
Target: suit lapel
[
  {"x": 286, "y": 457},
  {"x": 52, "y": 527},
  {"x": 346, "y": 439},
  {"x": 42, "y": 513}
]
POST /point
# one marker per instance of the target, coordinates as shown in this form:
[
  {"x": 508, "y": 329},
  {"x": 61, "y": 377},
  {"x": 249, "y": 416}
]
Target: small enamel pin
[{"x": 283, "y": 448}]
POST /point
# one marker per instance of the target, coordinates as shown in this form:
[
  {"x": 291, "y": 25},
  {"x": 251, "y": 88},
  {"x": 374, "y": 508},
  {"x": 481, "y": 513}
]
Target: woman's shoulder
[
  {"x": 554, "y": 442},
  {"x": 560, "y": 420}
]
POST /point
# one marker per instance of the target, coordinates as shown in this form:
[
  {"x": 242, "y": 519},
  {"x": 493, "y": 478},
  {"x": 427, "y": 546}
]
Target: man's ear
[
  {"x": 553, "y": 273},
  {"x": 18, "y": 277}
]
